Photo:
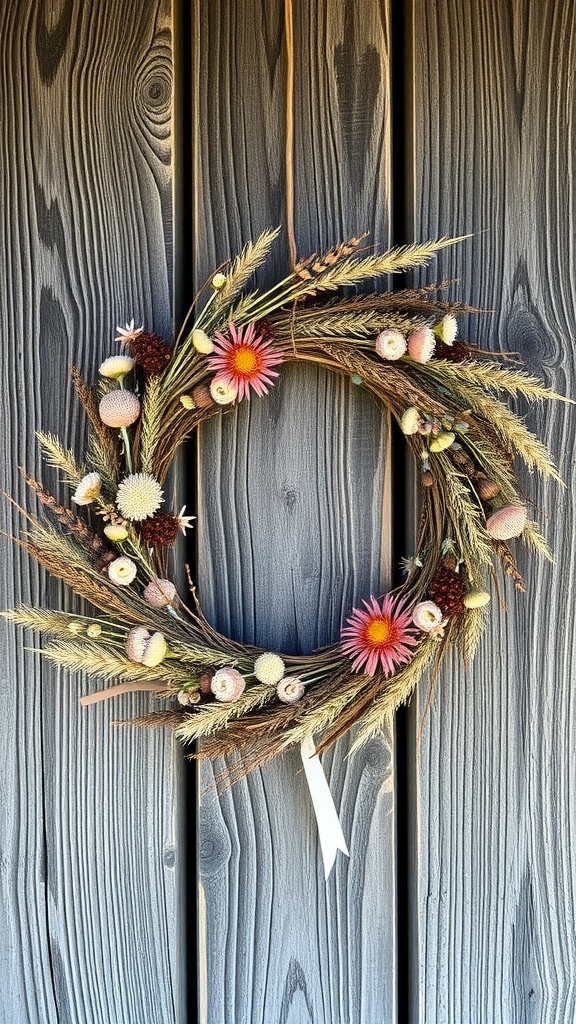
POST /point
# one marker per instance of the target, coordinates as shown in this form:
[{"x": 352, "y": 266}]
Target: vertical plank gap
[
  {"x": 183, "y": 55},
  {"x": 402, "y": 516}
]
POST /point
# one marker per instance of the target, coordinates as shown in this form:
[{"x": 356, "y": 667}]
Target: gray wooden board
[
  {"x": 292, "y": 497},
  {"x": 494, "y": 826},
  {"x": 88, "y": 835}
]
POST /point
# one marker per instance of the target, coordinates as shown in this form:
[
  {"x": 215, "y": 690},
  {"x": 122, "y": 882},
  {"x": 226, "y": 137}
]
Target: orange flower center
[
  {"x": 378, "y": 632},
  {"x": 245, "y": 360}
]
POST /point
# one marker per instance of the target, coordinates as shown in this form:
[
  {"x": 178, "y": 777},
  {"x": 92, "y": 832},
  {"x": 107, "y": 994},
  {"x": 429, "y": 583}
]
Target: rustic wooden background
[{"x": 476, "y": 923}]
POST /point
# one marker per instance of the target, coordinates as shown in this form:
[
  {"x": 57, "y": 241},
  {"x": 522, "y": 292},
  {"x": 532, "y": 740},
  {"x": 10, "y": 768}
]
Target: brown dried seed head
[
  {"x": 487, "y": 489},
  {"x": 202, "y": 397}
]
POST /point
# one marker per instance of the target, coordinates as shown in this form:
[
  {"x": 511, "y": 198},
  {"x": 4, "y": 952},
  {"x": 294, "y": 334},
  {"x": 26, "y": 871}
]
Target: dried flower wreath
[{"x": 403, "y": 348}]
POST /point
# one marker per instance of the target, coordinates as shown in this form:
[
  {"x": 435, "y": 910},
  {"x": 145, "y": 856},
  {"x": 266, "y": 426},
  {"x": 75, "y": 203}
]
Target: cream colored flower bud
[
  {"x": 476, "y": 598},
  {"x": 290, "y": 689},
  {"x": 115, "y": 532},
  {"x": 442, "y": 441},
  {"x": 227, "y": 685},
  {"x": 94, "y": 630},
  {"x": 202, "y": 343},
  {"x": 155, "y": 650},
  {"x": 390, "y": 345},
  {"x": 410, "y": 422},
  {"x": 218, "y": 282},
  {"x": 116, "y": 367}
]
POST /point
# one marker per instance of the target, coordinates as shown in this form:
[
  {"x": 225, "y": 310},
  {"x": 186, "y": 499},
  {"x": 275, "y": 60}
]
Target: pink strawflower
[
  {"x": 421, "y": 344},
  {"x": 244, "y": 360},
  {"x": 383, "y": 634},
  {"x": 227, "y": 685}
]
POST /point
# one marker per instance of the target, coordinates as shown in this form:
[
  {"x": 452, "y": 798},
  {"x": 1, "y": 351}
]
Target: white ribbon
[{"x": 329, "y": 827}]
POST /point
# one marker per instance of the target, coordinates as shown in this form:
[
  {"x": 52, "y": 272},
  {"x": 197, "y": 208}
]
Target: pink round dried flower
[
  {"x": 146, "y": 648},
  {"x": 390, "y": 344},
  {"x": 119, "y": 408},
  {"x": 290, "y": 689},
  {"x": 507, "y": 522},
  {"x": 227, "y": 685},
  {"x": 160, "y": 593},
  {"x": 136, "y": 643},
  {"x": 421, "y": 344}
]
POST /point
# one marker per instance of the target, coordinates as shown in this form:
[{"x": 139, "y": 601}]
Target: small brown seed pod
[
  {"x": 202, "y": 397},
  {"x": 487, "y": 488}
]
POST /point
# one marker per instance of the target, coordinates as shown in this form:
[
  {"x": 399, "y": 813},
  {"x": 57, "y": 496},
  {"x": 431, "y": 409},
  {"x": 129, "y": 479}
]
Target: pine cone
[
  {"x": 161, "y": 529},
  {"x": 457, "y": 352},
  {"x": 150, "y": 352},
  {"x": 447, "y": 590}
]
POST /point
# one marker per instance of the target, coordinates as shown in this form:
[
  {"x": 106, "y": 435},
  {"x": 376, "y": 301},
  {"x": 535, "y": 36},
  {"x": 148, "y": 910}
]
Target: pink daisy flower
[
  {"x": 383, "y": 634},
  {"x": 244, "y": 360}
]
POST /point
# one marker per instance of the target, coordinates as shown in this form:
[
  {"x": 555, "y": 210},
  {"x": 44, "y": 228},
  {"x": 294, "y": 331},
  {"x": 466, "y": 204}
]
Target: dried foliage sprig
[{"x": 402, "y": 347}]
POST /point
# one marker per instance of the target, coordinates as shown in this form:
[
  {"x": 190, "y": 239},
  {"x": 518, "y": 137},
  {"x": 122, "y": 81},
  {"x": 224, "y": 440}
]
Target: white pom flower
[
  {"x": 269, "y": 669},
  {"x": 290, "y": 689},
  {"x": 427, "y": 616},
  {"x": 116, "y": 367},
  {"x": 222, "y": 392},
  {"x": 122, "y": 571},
  {"x": 139, "y": 496},
  {"x": 390, "y": 344},
  {"x": 88, "y": 489}
]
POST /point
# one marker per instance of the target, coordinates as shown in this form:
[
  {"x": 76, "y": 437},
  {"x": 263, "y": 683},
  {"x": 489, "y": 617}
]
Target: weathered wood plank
[
  {"x": 88, "y": 888},
  {"x": 495, "y": 841},
  {"x": 291, "y": 495}
]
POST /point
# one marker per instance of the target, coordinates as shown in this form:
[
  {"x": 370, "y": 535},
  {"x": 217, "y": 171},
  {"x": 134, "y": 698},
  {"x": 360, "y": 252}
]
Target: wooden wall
[
  {"x": 292, "y": 501},
  {"x": 476, "y": 924},
  {"x": 494, "y": 871},
  {"x": 89, "y": 902}
]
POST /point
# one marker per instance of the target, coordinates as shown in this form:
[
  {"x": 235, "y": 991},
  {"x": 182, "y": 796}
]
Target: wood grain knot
[{"x": 215, "y": 846}]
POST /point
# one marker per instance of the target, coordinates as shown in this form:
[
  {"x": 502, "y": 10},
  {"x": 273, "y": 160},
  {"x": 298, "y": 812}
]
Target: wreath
[{"x": 403, "y": 348}]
